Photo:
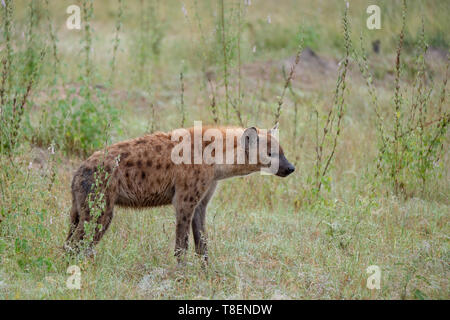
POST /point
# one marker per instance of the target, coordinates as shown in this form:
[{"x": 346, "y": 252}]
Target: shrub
[
  {"x": 327, "y": 133},
  {"x": 21, "y": 64},
  {"x": 75, "y": 120},
  {"x": 412, "y": 134}
]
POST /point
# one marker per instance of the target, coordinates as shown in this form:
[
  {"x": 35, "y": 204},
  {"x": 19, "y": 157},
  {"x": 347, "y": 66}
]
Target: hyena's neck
[
  {"x": 225, "y": 171},
  {"x": 235, "y": 167}
]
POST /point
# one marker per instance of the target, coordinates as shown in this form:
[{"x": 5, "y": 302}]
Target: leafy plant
[
  {"x": 327, "y": 134},
  {"x": 412, "y": 135},
  {"x": 21, "y": 65},
  {"x": 74, "y": 119}
]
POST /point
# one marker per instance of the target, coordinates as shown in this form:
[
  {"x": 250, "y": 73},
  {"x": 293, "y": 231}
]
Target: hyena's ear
[
  {"x": 249, "y": 138},
  {"x": 275, "y": 128}
]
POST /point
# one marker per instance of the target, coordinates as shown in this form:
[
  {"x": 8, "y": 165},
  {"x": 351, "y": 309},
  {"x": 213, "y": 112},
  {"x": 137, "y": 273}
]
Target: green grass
[
  {"x": 268, "y": 237},
  {"x": 261, "y": 246}
]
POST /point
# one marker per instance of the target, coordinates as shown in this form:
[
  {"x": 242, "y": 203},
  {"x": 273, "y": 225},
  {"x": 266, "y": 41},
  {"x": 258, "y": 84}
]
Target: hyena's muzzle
[{"x": 285, "y": 168}]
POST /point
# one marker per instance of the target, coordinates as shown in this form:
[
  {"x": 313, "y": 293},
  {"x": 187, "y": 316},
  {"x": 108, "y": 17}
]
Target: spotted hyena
[{"x": 147, "y": 172}]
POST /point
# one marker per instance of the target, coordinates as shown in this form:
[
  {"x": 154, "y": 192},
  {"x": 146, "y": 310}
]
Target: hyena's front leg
[
  {"x": 185, "y": 201},
  {"x": 184, "y": 214},
  {"x": 198, "y": 224}
]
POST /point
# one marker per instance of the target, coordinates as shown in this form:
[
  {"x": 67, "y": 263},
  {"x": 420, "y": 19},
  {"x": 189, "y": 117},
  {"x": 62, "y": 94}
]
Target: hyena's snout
[{"x": 285, "y": 168}]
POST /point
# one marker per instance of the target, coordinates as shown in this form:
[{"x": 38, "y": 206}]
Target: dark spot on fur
[
  {"x": 145, "y": 154},
  {"x": 129, "y": 163},
  {"x": 184, "y": 218},
  {"x": 158, "y": 148},
  {"x": 139, "y": 163},
  {"x": 158, "y": 166},
  {"x": 191, "y": 199},
  {"x": 127, "y": 174},
  {"x": 139, "y": 142},
  {"x": 143, "y": 175},
  {"x": 86, "y": 184},
  {"x": 149, "y": 163},
  {"x": 168, "y": 166},
  {"x": 86, "y": 172},
  {"x": 124, "y": 155}
]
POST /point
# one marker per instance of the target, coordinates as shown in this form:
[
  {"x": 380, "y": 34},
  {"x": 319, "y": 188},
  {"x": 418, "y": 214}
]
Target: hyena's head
[{"x": 263, "y": 148}]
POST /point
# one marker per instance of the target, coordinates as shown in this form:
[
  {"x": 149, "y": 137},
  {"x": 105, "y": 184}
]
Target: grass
[
  {"x": 261, "y": 247},
  {"x": 268, "y": 237}
]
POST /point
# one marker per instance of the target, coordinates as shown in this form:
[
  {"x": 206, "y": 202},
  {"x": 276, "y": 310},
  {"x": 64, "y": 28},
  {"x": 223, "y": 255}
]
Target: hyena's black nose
[
  {"x": 290, "y": 169},
  {"x": 286, "y": 168}
]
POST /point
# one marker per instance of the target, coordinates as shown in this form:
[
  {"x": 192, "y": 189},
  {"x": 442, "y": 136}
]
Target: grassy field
[{"x": 143, "y": 66}]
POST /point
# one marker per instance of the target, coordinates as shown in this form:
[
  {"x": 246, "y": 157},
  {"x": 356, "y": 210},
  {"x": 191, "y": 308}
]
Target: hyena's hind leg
[
  {"x": 198, "y": 224},
  {"x": 76, "y": 230},
  {"x": 74, "y": 220},
  {"x": 90, "y": 200},
  {"x": 76, "y": 236},
  {"x": 81, "y": 187},
  {"x": 104, "y": 220}
]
